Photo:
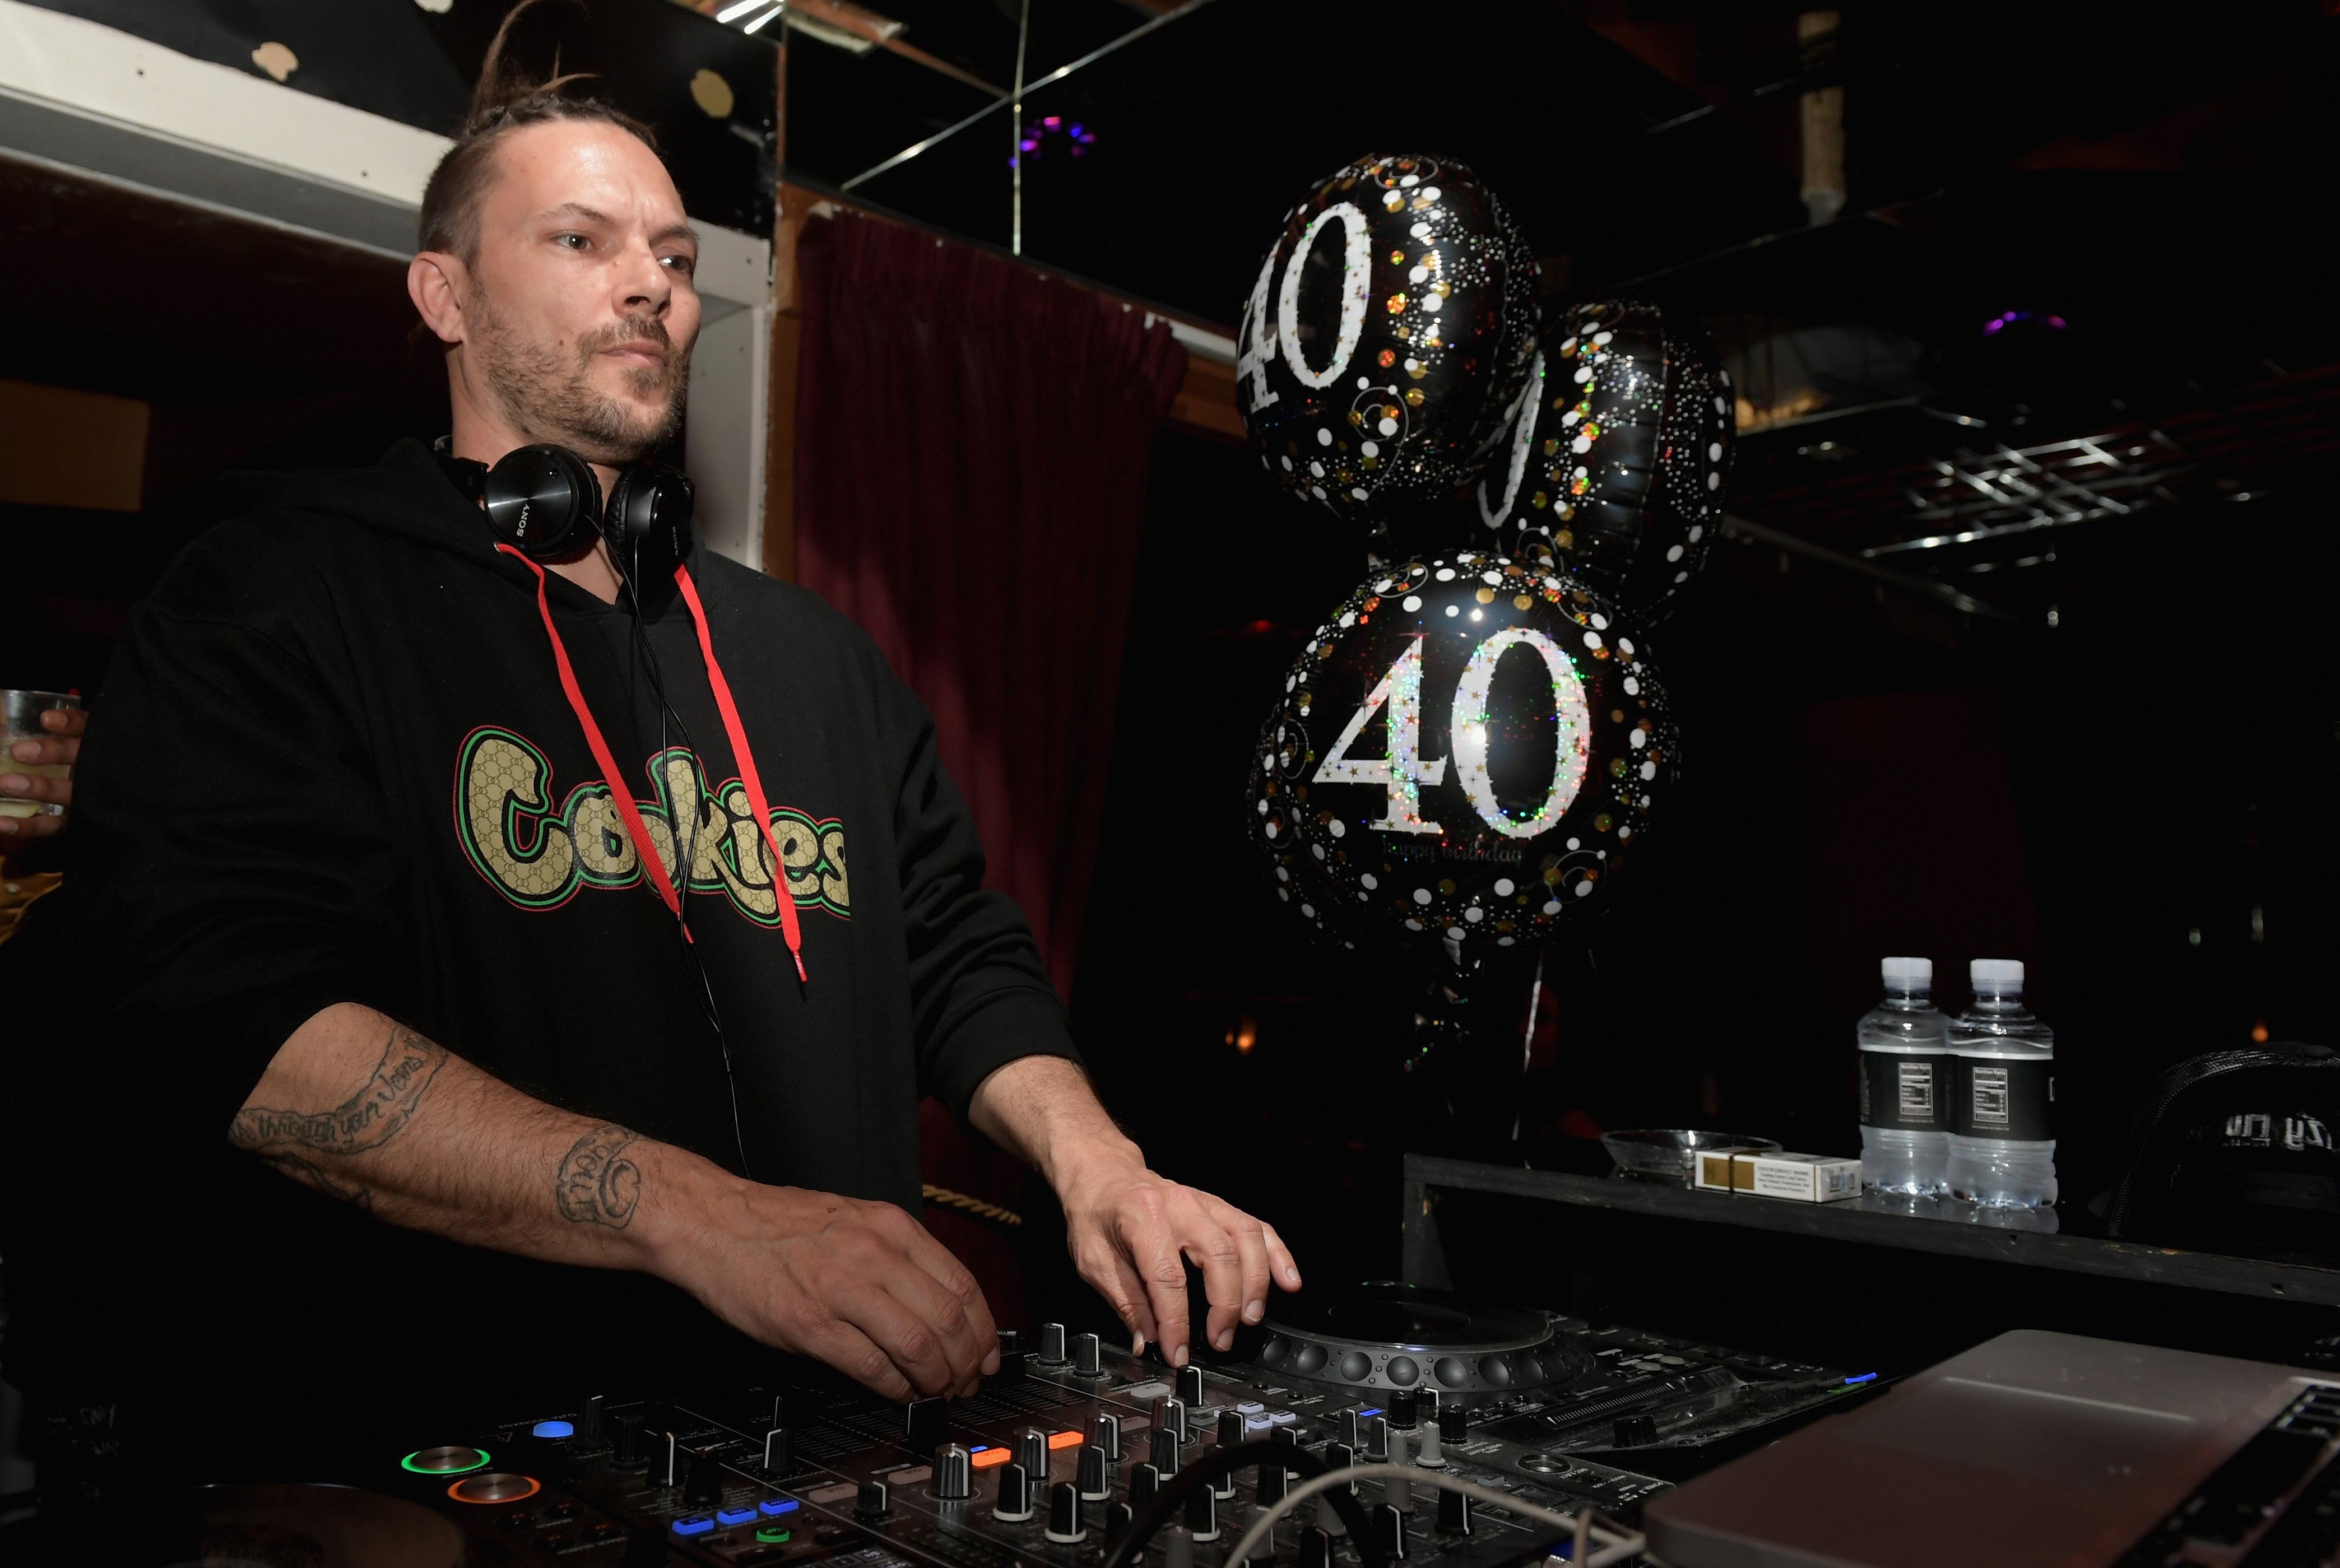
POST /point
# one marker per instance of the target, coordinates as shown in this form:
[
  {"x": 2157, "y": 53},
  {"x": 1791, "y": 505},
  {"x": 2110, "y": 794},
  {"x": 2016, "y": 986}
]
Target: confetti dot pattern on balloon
[
  {"x": 1399, "y": 301},
  {"x": 1436, "y": 781},
  {"x": 1614, "y": 463}
]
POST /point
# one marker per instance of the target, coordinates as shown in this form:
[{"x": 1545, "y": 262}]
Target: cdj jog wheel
[{"x": 1387, "y": 1337}]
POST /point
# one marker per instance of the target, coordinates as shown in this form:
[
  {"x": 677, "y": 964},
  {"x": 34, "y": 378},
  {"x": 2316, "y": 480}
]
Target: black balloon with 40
[
  {"x": 1387, "y": 338},
  {"x": 1465, "y": 757},
  {"x": 1613, "y": 464}
]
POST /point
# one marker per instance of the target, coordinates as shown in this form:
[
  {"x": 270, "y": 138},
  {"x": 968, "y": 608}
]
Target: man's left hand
[{"x": 1130, "y": 1229}]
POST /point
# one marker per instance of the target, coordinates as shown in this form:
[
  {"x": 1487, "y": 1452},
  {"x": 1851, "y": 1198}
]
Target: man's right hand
[
  {"x": 370, "y": 1111},
  {"x": 859, "y": 1286}
]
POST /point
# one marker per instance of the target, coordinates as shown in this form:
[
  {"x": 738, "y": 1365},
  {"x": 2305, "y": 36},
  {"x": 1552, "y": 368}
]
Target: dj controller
[{"x": 1387, "y": 1425}]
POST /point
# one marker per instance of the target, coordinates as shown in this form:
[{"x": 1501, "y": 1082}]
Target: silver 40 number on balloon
[
  {"x": 1385, "y": 343},
  {"x": 1469, "y": 751}
]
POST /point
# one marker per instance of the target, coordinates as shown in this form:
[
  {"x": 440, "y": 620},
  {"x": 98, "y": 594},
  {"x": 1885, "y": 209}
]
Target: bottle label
[
  {"x": 2005, "y": 1097},
  {"x": 1909, "y": 1093}
]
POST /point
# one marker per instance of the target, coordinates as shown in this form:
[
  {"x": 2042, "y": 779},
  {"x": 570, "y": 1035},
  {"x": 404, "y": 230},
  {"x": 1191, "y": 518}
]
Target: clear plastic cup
[{"x": 20, "y": 717}]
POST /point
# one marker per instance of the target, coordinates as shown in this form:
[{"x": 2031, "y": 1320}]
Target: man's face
[{"x": 583, "y": 312}]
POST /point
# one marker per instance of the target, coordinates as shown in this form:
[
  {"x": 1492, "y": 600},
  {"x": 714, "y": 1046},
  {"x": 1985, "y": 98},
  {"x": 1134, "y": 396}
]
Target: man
[{"x": 370, "y": 917}]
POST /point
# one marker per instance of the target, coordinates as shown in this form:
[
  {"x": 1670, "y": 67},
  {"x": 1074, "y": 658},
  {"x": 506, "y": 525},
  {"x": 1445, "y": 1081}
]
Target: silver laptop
[{"x": 2033, "y": 1449}]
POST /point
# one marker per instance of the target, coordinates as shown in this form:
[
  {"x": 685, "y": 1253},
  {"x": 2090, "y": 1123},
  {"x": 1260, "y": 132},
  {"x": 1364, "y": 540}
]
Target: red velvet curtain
[{"x": 972, "y": 444}]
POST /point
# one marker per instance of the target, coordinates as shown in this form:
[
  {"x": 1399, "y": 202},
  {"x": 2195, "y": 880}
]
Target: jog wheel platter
[{"x": 1386, "y": 1339}]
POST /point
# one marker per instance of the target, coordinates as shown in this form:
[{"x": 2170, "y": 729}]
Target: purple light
[
  {"x": 2006, "y": 319},
  {"x": 1052, "y": 122}
]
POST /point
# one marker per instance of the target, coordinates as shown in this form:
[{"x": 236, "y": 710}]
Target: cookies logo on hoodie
[{"x": 538, "y": 854}]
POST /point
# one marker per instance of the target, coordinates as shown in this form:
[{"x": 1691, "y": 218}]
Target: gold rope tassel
[{"x": 975, "y": 1205}]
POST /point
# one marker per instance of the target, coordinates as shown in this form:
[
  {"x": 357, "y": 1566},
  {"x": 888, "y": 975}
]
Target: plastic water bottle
[
  {"x": 1905, "y": 1085},
  {"x": 2002, "y": 1140}
]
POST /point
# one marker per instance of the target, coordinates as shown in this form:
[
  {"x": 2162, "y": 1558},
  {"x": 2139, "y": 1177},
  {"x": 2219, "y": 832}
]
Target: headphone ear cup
[
  {"x": 544, "y": 500},
  {"x": 650, "y": 506}
]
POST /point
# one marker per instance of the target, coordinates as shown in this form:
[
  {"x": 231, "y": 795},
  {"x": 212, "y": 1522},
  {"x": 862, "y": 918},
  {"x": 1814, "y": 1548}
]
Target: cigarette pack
[{"x": 1805, "y": 1178}]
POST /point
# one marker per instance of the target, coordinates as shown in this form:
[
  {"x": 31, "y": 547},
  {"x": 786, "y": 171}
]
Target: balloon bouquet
[{"x": 1476, "y": 744}]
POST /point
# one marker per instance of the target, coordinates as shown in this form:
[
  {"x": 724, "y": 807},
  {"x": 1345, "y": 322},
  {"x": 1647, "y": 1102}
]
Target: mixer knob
[
  {"x": 666, "y": 1467},
  {"x": 1389, "y": 1527},
  {"x": 1177, "y": 1547},
  {"x": 1087, "y": 1356},
  {"x": 871, "y": 1502},
  {"x": 1275, "y": 1481},
  {"x": 1095, "y": 1479},
  {"x": 1203, "y": 1514},
  {"x": 1288, "y": 1435},
  {"x": 1145, "y": 1481},
  {"x": 1263, "y": 1553},
  {"x": 1064, "y": 1527},
  {"x": 1106, "y": 1433},
  {"x": 1453, "y": 1423},
  {"x": 704, "y": 1484},
  {"x": 1345, "y": 1427},
  {"x": 1051, "y": 1345},
  {"x": 1032, "y": 1453},
  {"x": 1634, "y": 1431},
  {"x": 1170, "y": 1416},
  {"x": 1453, "y": 1512},
  {"x": 1405, "y": 1410},
  {"x": 1433, "y": 1454},
  {"x": 955, "y": 1476},
  {"x": 1340, "y": 1456},
  {"x": 1015, "y": 1503},
  {"x": 1190, "y": 1386},
  {"x": 1231, "y": 1428},
  {"x": 1010, "y": 1342},
  {"x": 1117, "y": 1517},
  {"x": 589, "y": 1421},
  {"x": 626, "y": 1446},
  {"x": 1399, "y": 1491},
  {"x": 1377, "y": 1437},
  {"x": 1315, "y": 1549},
  {"x": 777, "y": 1459}
]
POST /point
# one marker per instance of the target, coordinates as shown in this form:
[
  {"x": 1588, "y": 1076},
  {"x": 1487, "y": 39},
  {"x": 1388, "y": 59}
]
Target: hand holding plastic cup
[{"x": 20, "y": 720}]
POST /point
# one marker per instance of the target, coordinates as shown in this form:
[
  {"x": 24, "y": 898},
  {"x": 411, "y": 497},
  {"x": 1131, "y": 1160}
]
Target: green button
[{"x": 772, "y": 1533}]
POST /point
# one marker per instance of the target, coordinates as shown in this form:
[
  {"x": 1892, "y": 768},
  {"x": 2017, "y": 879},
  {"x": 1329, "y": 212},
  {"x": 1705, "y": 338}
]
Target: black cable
[
  {"x": 1125, "y": 1548},
  {"x": 686, "y": 850}
]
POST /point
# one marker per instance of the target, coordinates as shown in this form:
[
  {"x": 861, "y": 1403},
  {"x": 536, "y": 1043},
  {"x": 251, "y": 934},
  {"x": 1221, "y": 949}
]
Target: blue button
[
  {"x": 1864, "y": 1377},
  {"x": 734, "y": 1515},
  {"x": 553, "y": 1429},
  {"x": 773, "y": 1507},
  {"x": 697, "y": 1524}
]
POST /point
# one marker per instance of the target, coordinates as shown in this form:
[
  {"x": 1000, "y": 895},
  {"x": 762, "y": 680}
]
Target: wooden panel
[
  {"x": 68, "y": 448},
  {"x": 1206, "y": 403}
]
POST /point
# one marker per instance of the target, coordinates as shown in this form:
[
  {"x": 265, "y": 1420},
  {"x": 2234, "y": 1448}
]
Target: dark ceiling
[{"x": 2147, "y": 199}]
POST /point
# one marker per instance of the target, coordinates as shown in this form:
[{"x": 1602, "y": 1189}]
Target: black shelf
[{"x": 1871, "y": 1220}]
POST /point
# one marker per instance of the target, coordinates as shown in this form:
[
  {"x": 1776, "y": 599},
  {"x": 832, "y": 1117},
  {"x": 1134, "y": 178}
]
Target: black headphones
[{"x": 546, "y": 502}]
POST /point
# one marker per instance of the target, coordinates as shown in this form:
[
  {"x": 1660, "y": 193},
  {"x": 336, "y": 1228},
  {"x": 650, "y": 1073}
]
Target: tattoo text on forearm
[
  {"x": 294, "y": 1140},
  {"x": 596, "y": 1185}
]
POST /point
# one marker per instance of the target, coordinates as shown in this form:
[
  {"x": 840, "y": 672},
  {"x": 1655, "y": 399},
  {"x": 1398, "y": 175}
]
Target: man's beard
[{"x": 554, "y": 399}]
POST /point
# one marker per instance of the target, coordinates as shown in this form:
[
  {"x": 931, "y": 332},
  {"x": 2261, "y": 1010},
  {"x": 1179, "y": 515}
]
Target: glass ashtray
[{"x": 1668, "y": 1153}]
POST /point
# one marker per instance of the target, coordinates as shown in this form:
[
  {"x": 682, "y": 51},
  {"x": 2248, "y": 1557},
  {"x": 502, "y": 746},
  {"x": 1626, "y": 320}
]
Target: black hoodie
[{"x": 332, "y": 762}]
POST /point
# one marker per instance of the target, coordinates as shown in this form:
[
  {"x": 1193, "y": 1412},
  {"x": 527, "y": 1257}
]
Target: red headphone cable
[{"x": 623, "y": 799}]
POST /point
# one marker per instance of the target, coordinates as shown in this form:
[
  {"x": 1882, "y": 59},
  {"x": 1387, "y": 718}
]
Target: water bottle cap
[
  {"x": 1996, "y": 974},
  {"x": 1908, "y": 972}
]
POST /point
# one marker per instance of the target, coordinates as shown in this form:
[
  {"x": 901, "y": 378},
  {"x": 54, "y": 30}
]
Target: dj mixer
[{"x": 1451, "y": 1435}]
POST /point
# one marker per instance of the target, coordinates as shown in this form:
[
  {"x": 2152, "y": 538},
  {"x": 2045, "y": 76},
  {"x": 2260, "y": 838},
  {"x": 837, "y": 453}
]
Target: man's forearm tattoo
[
  {"x": 293, "y": 1140},
  {"x": 596, "y": 1184}
]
